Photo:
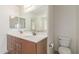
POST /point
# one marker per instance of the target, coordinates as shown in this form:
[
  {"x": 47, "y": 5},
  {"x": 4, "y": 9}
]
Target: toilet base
[
  {"x": 64, "y": 50},
  {"x": 56, "y": 52}
]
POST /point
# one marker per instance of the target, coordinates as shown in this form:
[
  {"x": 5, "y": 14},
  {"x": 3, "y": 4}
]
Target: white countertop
[{"x": 28, "y": 36}]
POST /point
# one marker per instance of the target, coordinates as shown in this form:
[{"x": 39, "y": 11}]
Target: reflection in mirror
[
  {"x": 16, "y": 22},
  {"x": 33, "y": 18},
  {"x": 36, "y": 19}
]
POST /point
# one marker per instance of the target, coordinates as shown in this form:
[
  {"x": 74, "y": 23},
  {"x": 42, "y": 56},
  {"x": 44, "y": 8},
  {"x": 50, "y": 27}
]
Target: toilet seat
[{"x": 64, "y": 50}]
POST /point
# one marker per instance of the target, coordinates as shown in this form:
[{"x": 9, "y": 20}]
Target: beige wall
[
  {"x": 77, "y": 22},
  {"x": 62, "y": 21},
  {"x": 50, "y": 28},
  {"x": 5, "y": 12},
  {"x": 65, "y": 24}
]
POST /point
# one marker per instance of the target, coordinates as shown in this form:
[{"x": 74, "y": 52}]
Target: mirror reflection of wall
[
  {"x": 39, "y": 24},
  {"x": 42, "y": 24}
]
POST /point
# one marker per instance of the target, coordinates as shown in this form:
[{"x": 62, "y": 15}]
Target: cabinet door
[
  {"x": 10, "y": 44},
  {"x": 18, "y": 46},
  {"x": 42, "y": 47},
  {"x": 28, "y": 47}
]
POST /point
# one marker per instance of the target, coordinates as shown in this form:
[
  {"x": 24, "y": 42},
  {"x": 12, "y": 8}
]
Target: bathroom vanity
[
  {"x": 28, "y": 35},
  {"x": 20, "y": 44}
]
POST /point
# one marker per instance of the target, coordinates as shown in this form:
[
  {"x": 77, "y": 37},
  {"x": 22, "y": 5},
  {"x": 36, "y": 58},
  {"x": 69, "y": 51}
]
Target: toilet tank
[{"x": 64, "y": 41}]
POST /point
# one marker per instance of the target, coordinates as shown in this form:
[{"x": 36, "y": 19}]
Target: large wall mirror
[{"x": 33, "y": 18}]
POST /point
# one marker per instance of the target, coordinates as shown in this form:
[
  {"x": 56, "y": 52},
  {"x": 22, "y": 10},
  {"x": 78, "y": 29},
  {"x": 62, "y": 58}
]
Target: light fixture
[{"x": 28, "y": 8}]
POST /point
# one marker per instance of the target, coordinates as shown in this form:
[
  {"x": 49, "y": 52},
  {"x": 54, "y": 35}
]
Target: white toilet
[{"x": 64, "y": 43}]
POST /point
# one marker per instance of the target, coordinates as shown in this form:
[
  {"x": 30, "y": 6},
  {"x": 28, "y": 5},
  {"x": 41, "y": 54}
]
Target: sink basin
[{"x": 31, "y": 36}]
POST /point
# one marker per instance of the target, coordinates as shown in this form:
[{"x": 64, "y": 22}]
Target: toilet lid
[{"x": 64, "y": 50}]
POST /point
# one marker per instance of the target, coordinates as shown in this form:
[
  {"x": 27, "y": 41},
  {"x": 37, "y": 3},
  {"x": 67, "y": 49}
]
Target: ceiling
[{"x": 36, "y": 9}]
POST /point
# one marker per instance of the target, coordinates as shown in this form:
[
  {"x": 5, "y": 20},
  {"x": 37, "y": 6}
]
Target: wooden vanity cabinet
[{"x": 20, "y": 46}]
